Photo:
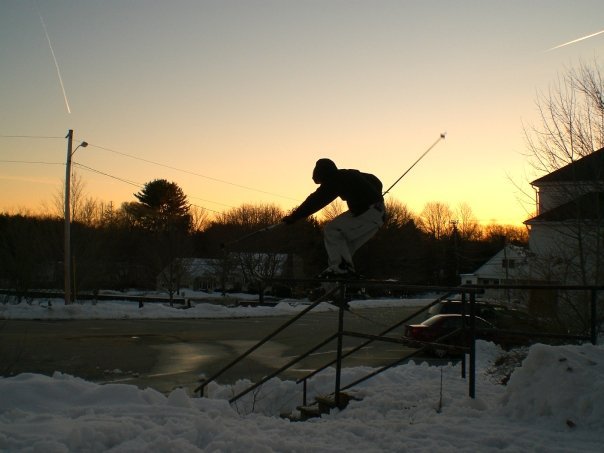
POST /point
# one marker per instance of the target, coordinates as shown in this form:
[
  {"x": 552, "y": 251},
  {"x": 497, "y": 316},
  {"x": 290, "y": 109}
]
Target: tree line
[{"x": 129, "y": 246}]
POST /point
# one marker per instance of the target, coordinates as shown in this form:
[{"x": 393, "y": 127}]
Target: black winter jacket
[{"x": 359, "y": 190}]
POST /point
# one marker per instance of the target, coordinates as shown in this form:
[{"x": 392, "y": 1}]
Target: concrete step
[{"x": 323, "y": 405}]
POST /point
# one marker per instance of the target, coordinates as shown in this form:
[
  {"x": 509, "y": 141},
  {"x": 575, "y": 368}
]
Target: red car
[{"x": 440, "y": 325}]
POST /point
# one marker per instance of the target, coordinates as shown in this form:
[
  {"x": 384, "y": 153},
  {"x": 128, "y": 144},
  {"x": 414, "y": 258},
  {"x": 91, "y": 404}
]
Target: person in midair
[{"x": 346, "y": 233}]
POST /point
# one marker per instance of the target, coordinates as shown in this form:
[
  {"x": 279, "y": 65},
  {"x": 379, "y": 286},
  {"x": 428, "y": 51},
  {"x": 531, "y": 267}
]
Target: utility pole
[{"x": 67, "y": 257}]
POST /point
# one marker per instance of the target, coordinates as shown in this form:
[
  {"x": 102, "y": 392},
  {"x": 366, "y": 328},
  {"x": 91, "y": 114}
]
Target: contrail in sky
[
  {"x": 577, "y": 40},
  {"x": 55, "y": 60}
]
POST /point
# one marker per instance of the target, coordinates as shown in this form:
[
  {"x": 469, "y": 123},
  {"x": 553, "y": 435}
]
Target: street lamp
[{"x": 67, "y": 257}]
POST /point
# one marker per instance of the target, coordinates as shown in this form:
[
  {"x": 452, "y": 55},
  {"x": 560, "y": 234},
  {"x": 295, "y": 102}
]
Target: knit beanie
[{"x": 324, "y": 168}]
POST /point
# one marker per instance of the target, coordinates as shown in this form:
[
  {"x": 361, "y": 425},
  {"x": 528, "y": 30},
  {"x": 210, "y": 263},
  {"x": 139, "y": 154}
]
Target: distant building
[
  {"x": 237, "y": 271},
  {"x": 566, "y": 241},
  {"x": 566, "y": 236},
  {"x": 193, "y": 273},
  {"x": 509, "y": 266}
]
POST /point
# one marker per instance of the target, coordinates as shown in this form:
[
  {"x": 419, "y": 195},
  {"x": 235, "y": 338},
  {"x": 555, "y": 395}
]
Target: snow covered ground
[{"x": 553, "y": 402}]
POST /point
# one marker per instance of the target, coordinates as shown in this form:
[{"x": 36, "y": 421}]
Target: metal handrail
[
  {"x": 423, "y": 347},
  {"x": 283, "y": 368},
  {"x": 201, "y": 387},
  {"x": 342, "y": 285},
  {"x": 381, "y": 334}
]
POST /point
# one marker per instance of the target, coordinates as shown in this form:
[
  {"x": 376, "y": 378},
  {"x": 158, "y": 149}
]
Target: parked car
[
  {"x": 502, "y": 316},
  {"x": 438, "y": 326}
]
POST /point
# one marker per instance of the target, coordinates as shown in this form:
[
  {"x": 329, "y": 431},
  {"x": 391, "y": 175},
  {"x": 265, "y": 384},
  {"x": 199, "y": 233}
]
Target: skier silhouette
[{"x": 347, "y": 232}]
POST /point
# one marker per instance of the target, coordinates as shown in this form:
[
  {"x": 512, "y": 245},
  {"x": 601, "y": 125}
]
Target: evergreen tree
[{"x": 162, "y": 206}]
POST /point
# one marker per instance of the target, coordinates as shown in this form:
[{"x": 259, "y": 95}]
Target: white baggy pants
[{"x": 345, "y": 234}]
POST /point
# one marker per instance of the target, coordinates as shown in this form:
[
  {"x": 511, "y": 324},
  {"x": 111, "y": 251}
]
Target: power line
[
  {"x": 138, "y": 185},
  {"x": 31, "y": 162},
  {"x": 203, "y": 207},
  {"x": 132, "y": 183},
  {"x": 210, "y": 201},
  {"x": 94, "y": 170},
  {"x": 192, "y": 173},
  {"x": 29, "y": 136},
  {"x": 154, "y": 163}
]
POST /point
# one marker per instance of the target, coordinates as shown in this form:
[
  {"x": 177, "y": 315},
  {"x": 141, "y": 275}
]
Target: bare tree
[
  {"x": 200, "y": 219},
  {"x": 397, "y": 214},
  {"x": 567, "y": 234},
  {"x": 90, "y": 212},
  {"x": 108, "y": 215},
  {"x": 253, "y": 216},
  {"x": 468, "y": 227},
  {"x": 571, "y": 120},
  {"x": 332, "y": 210},
  {"x": 509, "y": 233},
  {"x": 254, "y": 265},
  {"x": 78, "y": 199},
  {"x": 435, "y": 219},
  {"x": 257, "y": 268}
]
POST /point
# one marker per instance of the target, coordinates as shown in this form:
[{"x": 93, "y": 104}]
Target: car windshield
[{"x": 455, "y": 322}]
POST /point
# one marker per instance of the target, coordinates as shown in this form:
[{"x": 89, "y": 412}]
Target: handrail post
[
  {"x": 464, "y": 356},
  {"x": 472, "y": 381},
  {"x": 342, "y": 301},
  {"x": 594, "y": 318}
]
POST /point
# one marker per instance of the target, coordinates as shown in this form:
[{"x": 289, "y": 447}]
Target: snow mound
[
  {"x": 564, "y": 383},
  {"x": 553, "y": 402}
]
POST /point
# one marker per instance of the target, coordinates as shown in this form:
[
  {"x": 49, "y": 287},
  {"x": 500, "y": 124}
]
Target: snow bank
[
  {"x": 561, "y": 383},
  {"x": 120, "y": 309},
  {"x": 404, "y": 409}
]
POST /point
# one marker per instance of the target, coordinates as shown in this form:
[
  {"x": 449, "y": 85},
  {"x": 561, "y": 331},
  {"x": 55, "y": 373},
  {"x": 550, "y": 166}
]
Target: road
[{"x": 166, "y": 354}]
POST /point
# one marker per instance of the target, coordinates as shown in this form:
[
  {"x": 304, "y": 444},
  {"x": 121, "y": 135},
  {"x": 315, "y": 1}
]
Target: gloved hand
[{"x": 288, "y": 219}]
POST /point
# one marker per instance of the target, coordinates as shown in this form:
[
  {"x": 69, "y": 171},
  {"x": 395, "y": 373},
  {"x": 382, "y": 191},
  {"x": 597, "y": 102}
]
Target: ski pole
[
  {"x": 249, "y": 235},
  {"x": 442, "y": 137}
]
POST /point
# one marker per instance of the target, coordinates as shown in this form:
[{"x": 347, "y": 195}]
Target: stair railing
[{"x": 340, "y": 289}]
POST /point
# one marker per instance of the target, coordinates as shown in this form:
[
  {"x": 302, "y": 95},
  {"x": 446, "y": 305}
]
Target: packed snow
[{"x": 552, "y": 402}]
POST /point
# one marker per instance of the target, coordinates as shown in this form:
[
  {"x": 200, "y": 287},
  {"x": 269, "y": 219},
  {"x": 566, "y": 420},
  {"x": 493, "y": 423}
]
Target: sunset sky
[{"x": 236, "y": 100}]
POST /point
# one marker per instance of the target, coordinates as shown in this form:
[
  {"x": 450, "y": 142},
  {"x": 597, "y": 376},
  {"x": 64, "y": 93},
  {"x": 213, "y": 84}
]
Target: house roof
[
  {"x": 587, "y": 207},
  {"x": 198, "y": 266},
  {"x": 587, "y": 168},
  {"x": 493, "y": 268}
]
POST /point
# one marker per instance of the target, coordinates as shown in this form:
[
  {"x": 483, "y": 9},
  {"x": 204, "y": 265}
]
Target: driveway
[{"x": 166, "y": 354}]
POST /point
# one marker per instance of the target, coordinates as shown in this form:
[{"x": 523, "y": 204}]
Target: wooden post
[{"x": 67, "y": 254}]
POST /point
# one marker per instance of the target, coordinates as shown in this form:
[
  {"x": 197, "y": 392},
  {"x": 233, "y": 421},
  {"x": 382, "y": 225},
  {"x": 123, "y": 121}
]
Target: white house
[
  {"x": 508, "y": 266},
  {"x": 235, "y": 271},
  {"x": 192, "y": 273},
  {"x": 566, "y": 236}
]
